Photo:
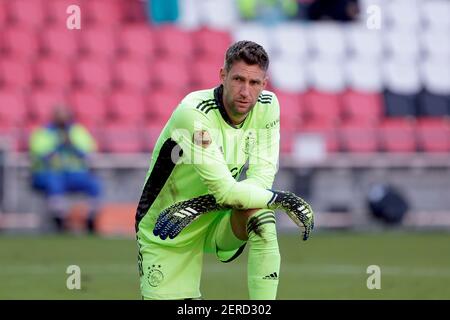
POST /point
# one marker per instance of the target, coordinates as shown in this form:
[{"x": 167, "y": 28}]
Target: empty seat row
[
  {"x": 401, "y": 76},
  {"x": 89, "y": 107},
  {"x": 327, "y": 40},
  {"x": 287, "y": 42},
  {"x": 390, "y": 135},
  {"x": 367, "y": 108},
  {"x": 100, "y": 75},
  {"x": 134, "y": 40},
  {"x": 38, "y": 13}
]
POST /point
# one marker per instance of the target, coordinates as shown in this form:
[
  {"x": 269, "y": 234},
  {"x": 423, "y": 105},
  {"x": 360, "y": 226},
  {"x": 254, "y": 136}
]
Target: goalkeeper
[{"x": 192, "y": 202}]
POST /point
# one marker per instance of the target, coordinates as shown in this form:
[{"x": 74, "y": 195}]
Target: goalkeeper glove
[
  {"x": 176, "y": 217},
  {"x": 296, "y": 208}
]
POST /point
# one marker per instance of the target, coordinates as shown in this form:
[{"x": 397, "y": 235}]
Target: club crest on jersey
[
  {"x": 249, "y": 142},
  {"x": 202, "y": 138},
  {"x": 155, "y": 275}
]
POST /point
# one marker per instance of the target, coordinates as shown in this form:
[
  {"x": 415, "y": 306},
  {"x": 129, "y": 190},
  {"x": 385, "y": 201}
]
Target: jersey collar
[{"x": 218, "y": 97}]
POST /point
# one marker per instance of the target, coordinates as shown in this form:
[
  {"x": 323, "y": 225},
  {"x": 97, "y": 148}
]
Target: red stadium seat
[
  {"x": 161, "y": 104},
  {"x": 150, "y": 135},
  {"x": 211, "y": 43},
  {"x": 60, "y": 42},
  {"x": 171, "y": 75},
  {"x": 135, "y": 11},
  {"x": 133, "y": 74},
  {"x": 94, "y": 74},
  {"x": 205, "y": 73},
  {"x": 104, "y": 12},
  {"x": 89, "y": 107},
  {"x": 3, "y": 15},
  {"x": 323, "y": 129},
  {"x": 174, "y": 43},
  {"x": 24, "y": 136},
  {"x": 15, "y": 73},
  {"x": 122, "y": 138},
  {"x": 42, "y": 103},
  {"x": 362, "y": 107},
  {"x": 137, "y": 40},
  {"x": 323, "y": 107},
  {"x": 287, "y": 139},
  {"x": 127, "y": 107},
  {"x": 57, "y": 11},
  {"x": 434, "y": 134},
  {"x": 98, "y": 42},
  {"x": 356, "y": 136},
  {"x": 27, "y": 13},
  {"x": 53, "y": 73},
  {"x": 397, "y": 135},
  {"x": 20, "y": 43},
  {"x": 291, "y": 111},
  {"x": 13, "y": 111}
]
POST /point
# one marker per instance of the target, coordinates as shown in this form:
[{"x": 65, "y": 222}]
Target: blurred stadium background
[{"x": 365, "y": 131}]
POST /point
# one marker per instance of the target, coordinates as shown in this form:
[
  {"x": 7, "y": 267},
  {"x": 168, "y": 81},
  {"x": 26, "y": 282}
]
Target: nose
[{"x": 244, "y": 90}]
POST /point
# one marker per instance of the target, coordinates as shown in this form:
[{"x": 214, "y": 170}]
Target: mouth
[{"x": 242, "y": 103}]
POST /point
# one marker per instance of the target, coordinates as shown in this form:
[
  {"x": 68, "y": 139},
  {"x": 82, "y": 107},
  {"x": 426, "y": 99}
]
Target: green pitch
[{"x": 328, "y": 266}]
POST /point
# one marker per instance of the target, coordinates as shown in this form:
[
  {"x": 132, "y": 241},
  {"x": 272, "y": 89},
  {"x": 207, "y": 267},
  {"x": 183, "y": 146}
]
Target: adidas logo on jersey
[
  {"x": 272, "y": 276},
  {"x": 185, "y": 212}
]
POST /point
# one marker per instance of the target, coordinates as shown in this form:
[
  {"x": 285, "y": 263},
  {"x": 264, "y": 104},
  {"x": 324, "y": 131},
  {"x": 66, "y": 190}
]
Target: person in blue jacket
[{"x": 59, "y": 155}]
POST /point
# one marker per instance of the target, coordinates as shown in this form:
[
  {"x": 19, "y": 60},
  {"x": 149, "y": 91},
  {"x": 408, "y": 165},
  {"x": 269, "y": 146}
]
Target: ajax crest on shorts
[{"x": 155, "y": 275}]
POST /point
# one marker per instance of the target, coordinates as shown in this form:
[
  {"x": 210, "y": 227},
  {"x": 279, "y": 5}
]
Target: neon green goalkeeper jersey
[{"x": 200, "y": 152}]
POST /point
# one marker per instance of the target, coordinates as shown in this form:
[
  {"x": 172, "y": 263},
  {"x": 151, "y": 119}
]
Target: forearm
[
  {"x": 242, "y": 195},
  {"x": 265, "y": 183}
]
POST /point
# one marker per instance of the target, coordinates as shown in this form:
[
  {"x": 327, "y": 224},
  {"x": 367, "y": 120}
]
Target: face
[
  {"x": 241, "y": 87},
  {"x": 61, "y": 116}
]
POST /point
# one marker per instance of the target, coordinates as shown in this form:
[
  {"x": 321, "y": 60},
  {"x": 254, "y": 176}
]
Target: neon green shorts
[{"x": 170, "y": 272}]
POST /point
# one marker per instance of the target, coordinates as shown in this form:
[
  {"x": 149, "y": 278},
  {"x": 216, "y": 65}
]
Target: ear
[
  {"x": 265, "y": 81},
  {"x": 222, "y": 74}
]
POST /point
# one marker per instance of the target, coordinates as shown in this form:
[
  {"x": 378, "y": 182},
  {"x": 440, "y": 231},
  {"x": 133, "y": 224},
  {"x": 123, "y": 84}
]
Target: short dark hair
[{"x": 248, "y": 51}]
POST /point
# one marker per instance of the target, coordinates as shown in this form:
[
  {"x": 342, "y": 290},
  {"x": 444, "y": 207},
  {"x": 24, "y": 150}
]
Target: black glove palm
[
  {"x": 176, "y": 217},
  {"x": 296, "y": 208}
]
